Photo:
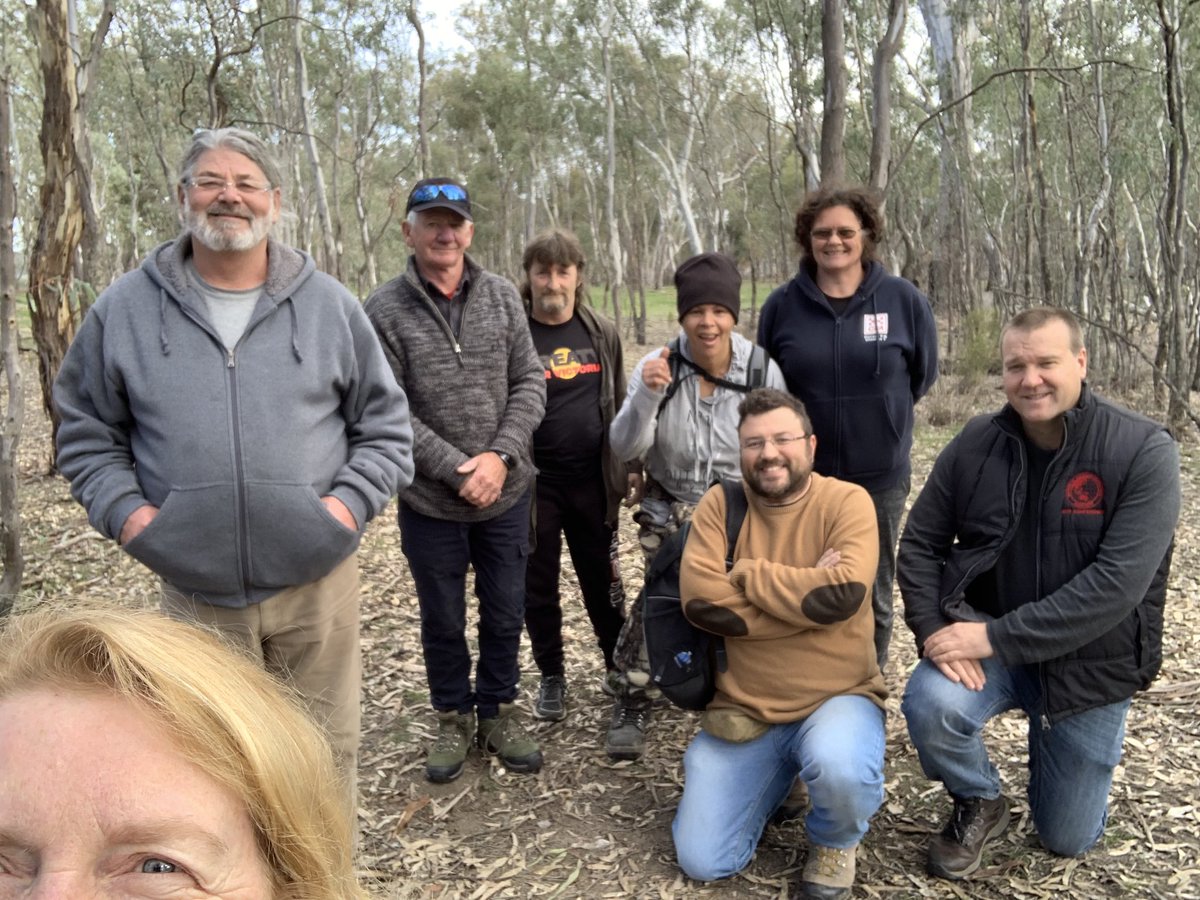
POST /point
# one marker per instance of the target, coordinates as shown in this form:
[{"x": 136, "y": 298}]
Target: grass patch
[{"x": 660, "y": 302}]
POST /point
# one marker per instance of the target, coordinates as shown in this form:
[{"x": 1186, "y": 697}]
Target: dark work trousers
[
  {"x": 889, "y": 508},
  {"x": 576, "y": 509},
  {"x": 438, "y": 553}
]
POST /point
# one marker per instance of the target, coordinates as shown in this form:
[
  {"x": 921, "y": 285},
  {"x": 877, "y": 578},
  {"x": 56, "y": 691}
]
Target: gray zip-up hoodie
[
  {"x": 484, "y": 390},
  {"x": 236, "y": 448},
  {"x": 692, "y": 442}
]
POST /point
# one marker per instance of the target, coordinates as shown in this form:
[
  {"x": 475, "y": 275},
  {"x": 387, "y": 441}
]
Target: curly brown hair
[{"x": 861, "y": 201}]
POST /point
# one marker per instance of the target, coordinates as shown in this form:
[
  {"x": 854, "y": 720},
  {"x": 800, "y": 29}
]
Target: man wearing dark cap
[
  {"x": 680, "y": 420},
  {"x": 458, "y": 341}
]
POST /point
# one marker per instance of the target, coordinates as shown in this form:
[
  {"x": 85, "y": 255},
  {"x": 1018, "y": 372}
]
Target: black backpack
[
  {"x": 684, "y": 660},
  {"x": 756, "y": 372}
]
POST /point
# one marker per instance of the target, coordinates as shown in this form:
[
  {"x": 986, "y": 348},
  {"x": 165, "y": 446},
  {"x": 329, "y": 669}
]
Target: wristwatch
[{"x": 508, "y": 461}]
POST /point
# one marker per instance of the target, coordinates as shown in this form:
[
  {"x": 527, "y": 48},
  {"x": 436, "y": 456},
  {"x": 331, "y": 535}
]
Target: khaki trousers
[{"x": 308, "y": 636}]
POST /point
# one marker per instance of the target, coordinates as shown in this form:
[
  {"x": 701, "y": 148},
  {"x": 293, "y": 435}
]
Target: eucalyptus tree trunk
[
  {"x": 952, "y": 269},
  {"x": 87, "y": 74},
  {"x": 1173, "y": 225},
  {"x": 331, "y": 262},
  {"x": 616, "y": 267},
  {"x": 422, "y": 127},
  {"x": 675, "y": 165},
  {"x": 1087, "y": 265},
  {"x": 881, "y": 95},
  {"x": 53, "y": 308},
  {"x": 14, "y": 415},
  {"x": 833, "y": 121},
  {"x": 1036, "y": 230}
]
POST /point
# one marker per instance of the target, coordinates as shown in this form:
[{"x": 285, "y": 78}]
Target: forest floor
[{"x": 588, "y": 827}]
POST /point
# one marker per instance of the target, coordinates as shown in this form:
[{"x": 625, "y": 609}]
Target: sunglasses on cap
[{"x": 427, "y": 192}]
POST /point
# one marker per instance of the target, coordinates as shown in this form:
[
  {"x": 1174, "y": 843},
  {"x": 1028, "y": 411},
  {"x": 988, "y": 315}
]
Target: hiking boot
[
  {"x": 627, "y": 731},
  {"x": 829, "y": 873},
  {"x": 958, "y": 850},
  {"x": 449, "y": 751},
  {"x": 551, "y": 701},
  {"x": 504, "y": 737}
]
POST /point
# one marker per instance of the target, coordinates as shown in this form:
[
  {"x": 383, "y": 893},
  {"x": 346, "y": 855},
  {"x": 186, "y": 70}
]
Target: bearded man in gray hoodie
[{"x": 229, "y": 418}]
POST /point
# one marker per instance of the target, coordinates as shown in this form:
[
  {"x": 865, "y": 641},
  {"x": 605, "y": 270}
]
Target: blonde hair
[{"x": 226, "y": 716}]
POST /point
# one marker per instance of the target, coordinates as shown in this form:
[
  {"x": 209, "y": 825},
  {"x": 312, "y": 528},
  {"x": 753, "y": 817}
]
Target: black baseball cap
[{"x": 430, "y": 193}]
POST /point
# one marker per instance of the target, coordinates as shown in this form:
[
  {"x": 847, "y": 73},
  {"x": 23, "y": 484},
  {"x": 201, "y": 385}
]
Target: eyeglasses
[
  {"x": 216, "y": 185},
  {"x": 758, "y": 444},
  {"x": 825, "y": 234},
  {"x": 427, "y": 192}
]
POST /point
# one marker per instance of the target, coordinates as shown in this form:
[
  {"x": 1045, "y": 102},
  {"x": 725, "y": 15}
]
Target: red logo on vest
[{"x": 1084, "y": 496}]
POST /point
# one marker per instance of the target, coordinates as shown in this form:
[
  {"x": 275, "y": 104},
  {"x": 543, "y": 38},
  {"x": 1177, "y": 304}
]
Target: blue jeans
[
  {"x": 1070, "y": 763},
  {"x": 731, "y": 790},
  {"x": 889, "y": 507},
  {"x": 438, "y": 553}
]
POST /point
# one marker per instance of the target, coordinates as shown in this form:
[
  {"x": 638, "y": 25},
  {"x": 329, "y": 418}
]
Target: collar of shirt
[{"x": 436, "y": 292}]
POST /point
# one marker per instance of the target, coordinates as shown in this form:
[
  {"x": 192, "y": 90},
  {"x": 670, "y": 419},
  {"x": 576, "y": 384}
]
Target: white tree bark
[{"x": 330, "y": 263}]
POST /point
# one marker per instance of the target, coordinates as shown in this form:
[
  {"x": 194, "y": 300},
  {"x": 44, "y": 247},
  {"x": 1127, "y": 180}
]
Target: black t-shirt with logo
[{"x": 567, "y": 443}]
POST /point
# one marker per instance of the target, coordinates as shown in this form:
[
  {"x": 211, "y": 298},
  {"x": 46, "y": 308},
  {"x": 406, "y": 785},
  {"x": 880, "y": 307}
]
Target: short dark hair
[
  {"x": 554, "y": 247},
  {"x": 1029, "y": 319},
  {"x": 764, "y": 400},
  {"x": 859, "y": 200}
]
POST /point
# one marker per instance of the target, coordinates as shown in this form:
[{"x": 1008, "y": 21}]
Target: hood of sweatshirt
[{"x": 287, "y": 270}]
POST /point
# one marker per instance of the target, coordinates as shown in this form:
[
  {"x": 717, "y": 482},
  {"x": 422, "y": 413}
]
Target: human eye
[
  {"x": 753, "y": 444},
  {"x": 846, "y": 233},
  {"x": 208, "y": 184},
  {"x": 249, "y": 187},
  {"x": 784, "y": 439},
  {"x": 822, "y": 234},
  {"x": 154, "y": 865}
]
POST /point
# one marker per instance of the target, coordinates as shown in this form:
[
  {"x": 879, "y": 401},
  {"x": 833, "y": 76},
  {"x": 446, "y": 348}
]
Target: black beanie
[{"x": 708, "y": 278}]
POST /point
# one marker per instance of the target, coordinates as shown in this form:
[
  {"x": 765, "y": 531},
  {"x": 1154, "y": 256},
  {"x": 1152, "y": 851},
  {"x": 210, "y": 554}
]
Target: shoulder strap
[
  {"x": 673, "y": 362},
  {"x": 736, "y": 507},
  {"x": 756, "y": 370}
]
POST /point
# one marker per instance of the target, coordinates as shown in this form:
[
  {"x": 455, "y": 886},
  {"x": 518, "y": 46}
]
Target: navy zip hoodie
[{"x": 859, "y": 374}]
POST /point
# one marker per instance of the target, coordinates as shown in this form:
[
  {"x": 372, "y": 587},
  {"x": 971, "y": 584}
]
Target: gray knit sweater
[{"x": 485, "y": 390}]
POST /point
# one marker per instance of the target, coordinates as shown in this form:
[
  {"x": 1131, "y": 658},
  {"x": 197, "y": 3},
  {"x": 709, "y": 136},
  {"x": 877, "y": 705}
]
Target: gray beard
[{"x": 218, "y": 239}]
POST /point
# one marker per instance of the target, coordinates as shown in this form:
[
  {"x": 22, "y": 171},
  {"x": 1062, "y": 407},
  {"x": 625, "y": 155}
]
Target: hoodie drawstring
[
  {"x": 295, "y": 332},
  {"x": 163, "y": 341},
  {"x": 878, "y": 336}
]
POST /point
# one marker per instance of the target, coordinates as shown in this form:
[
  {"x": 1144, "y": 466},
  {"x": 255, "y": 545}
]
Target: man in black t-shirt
[{"x": 579, "y": 483}]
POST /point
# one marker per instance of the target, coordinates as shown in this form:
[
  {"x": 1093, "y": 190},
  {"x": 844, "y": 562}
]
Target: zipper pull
[{"x": 229, "y": 361}]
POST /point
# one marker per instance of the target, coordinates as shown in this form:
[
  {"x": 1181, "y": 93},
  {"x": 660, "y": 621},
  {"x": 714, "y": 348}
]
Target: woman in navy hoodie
[{"x": 859, "y": 347}]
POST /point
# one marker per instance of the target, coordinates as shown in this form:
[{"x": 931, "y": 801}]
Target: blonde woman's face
[{"x": 97, "y": 802}]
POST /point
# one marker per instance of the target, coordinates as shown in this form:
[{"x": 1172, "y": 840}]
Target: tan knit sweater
[{"x": 795, "y": 634}]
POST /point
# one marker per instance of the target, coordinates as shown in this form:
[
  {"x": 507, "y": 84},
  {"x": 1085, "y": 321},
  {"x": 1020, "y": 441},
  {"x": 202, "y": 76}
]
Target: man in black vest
[{"x": 1033, "y": 569}]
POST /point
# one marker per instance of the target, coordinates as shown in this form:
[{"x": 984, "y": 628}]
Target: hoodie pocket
[
  {"x": 192, "y": 542},
  {"x": 873, "y": 434},
  {"x": 292, "y": 537}
]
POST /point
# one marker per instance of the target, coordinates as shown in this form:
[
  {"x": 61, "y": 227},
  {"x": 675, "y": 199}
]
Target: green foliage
[
  {"x": 717, "y": 110},
  {"x": 977, "y": 356}
]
